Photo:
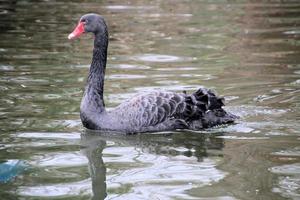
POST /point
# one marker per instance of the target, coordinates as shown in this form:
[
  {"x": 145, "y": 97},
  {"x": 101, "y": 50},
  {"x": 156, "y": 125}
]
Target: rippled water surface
[{"x": 248, "y": 51}]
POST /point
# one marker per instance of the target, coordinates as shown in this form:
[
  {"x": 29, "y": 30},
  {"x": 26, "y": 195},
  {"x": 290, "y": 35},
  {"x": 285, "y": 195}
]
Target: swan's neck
[{"x": 95, "y": 82}]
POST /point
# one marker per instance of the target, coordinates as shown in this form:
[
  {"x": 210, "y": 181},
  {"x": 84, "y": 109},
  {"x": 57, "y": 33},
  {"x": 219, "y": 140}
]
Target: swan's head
[{"x": 93, "y": 23}]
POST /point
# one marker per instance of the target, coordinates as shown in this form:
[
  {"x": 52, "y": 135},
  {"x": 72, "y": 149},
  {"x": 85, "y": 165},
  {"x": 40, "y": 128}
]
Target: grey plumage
[{"x": 162, "y": 111}]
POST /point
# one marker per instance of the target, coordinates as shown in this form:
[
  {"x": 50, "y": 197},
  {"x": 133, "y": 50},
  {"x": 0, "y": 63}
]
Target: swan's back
[
  {"x": 162, "y": 110},
  {"x": 150, "y": 109}
]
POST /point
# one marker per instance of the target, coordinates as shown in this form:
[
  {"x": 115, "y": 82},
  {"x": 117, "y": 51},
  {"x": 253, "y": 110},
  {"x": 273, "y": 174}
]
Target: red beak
[{"x": 77, "y": 31}]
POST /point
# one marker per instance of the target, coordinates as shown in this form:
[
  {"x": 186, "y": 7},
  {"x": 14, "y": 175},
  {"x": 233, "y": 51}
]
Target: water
[{"x": 247, "y": 51}]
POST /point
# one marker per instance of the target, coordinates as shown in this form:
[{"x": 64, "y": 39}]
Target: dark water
[{"x": 248, "y": 51}]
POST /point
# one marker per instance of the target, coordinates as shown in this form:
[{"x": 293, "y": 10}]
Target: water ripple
[
  {"x": 161, "y": 58},
  {"x": 167, "y": 170},
  {"x": 67, "y": 159},
  {"x": 56, "y": 190},
  {"x": 288, "y": 184},
  {"x": 293, "y": 169},
  {"x": 6, "y": 68},
  {"x": 168, "y": 88},
  {"x": 50, "y": 135},
  {"x": 128, "y": 7},
  {"x": 126, "y": 76},
  {"x": 129, "y": 66}
]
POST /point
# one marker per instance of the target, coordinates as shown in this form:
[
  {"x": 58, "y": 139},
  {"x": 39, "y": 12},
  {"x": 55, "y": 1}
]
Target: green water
[{"x": 248, "y": 51}]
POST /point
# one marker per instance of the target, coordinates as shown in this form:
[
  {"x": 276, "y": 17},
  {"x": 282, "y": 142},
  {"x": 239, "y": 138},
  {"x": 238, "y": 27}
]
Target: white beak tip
[{"x": 71, "y": 36}]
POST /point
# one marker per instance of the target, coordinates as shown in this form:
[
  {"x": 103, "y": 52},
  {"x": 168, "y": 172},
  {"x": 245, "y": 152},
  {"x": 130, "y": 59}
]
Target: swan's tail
[{"x": 206, "y": 110}]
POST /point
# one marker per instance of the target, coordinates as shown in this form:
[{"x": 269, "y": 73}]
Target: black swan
[{"x": 146, "y": 112}]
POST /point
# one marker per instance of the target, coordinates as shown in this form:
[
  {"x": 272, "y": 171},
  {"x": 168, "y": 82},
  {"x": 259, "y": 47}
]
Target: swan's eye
[{"x": 85, "y": 21}]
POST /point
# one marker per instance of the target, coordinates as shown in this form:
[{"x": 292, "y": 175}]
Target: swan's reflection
[
  {"x": 93, "y": 148},
  {"x": 171, "y": 145}
]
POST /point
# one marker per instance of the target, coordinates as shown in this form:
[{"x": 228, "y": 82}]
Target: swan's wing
[{"x": 152, "y": 108}]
